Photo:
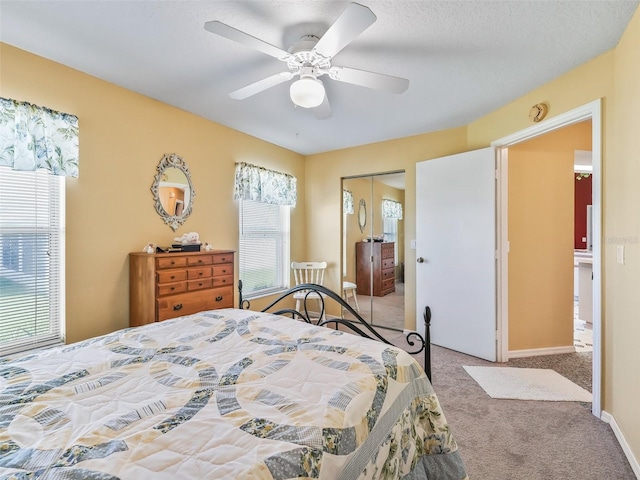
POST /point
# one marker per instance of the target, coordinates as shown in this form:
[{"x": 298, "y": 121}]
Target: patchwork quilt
[{"x": 223, "y": 394}]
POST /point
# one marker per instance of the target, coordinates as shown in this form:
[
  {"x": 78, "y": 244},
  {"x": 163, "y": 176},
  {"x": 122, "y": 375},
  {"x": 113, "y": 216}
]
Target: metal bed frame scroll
[{"x": 314, "y": 292}]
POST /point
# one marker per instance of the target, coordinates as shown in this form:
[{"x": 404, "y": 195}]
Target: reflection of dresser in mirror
[{"x": 380, "y": 272}]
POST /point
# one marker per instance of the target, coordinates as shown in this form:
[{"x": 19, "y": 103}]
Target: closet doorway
[{"x": 372, "y": 253}]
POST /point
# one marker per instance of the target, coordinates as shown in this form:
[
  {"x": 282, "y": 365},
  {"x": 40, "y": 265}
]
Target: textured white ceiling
[{"x": 463, "y": 58}]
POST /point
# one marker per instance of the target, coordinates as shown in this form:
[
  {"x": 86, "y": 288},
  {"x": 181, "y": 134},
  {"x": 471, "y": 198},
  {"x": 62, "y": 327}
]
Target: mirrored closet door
[{"x": 373, "y": 247}]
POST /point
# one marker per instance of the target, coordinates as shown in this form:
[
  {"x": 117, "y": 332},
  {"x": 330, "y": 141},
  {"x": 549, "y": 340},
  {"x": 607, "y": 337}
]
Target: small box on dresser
[{"x": 169, "y": 285}]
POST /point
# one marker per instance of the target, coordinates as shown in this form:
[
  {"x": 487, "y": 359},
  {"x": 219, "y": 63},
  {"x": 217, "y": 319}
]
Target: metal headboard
[{"x": 359, "y": 325}]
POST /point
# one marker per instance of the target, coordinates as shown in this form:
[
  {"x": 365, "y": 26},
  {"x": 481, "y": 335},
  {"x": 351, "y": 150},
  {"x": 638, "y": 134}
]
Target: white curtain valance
[
  {"x": 347, "y": 202},
  {"x": 391, "y": 209},
  {"x": 263, "y": 185},
  {"x": 33, "y": 137}
]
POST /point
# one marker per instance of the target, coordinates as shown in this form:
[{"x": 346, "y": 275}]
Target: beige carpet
[
  {"x": 527, "y": 384},
  {"x": 523, "y": 440},
  {"x": 388, "y": 311}
]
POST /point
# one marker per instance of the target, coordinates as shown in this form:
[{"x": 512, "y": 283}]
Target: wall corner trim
[{"x": 608, "y": 418}]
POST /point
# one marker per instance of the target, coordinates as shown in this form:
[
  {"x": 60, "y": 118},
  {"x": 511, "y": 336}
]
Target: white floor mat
[{"x": 527, "y": 384}]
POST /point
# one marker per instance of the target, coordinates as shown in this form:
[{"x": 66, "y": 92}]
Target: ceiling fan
[{"x": 310, "y": 58}]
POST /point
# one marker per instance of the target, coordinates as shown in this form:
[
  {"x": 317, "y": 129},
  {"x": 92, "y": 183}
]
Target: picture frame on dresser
[{"x": 169, "y": 285}]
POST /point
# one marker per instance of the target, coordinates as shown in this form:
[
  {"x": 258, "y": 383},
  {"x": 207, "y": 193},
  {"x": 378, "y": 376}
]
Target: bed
[{"x": 224, "y": 394}]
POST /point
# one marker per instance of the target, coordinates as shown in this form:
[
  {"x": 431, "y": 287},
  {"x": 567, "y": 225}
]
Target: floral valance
[
  {"x": 264, "y": 185},
  {"x": 347, "y": 202},
  {"x": 391, "y": 209},
  {"x": 33, "y": 137}
]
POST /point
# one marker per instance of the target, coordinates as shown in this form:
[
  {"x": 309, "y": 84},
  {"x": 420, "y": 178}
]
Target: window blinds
[
  {"x": 31, "y": 259},
  {"x": 264, "y": 247}
]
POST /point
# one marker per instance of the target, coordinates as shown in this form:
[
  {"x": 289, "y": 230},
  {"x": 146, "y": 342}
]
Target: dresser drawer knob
[
  {"x": 219, "y": 298},
  {"x": 173, "y": 288},
  {"x": 173, "y": 277},
  {"x": 200, "y": 273},
  {"x": 177, "y": 307},
  {"x": 200, "y": 284}
]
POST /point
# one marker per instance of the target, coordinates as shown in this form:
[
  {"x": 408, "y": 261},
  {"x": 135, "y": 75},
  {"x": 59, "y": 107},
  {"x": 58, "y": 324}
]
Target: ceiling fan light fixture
[{"x": 307, "y": 92}]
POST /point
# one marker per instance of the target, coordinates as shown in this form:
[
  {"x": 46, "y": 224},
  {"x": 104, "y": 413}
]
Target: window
[
  {"x": 265, "y": 199},
  {"x": 391, "y": 213},
  {"x": 347, "y": 209},
  {"x": 264, "y": 248},
  {"x": 31, "y": 259},
  {"x": 390, "y": 227}
]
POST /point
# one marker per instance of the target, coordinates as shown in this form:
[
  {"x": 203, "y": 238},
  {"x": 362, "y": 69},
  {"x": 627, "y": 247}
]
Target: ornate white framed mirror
[
  {"x": 173, "y": 191},
  {"x": 362, "y": 214}
]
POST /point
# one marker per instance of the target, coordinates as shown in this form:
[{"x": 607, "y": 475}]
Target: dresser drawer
[
  {"x": 220, "y": 281},
  {"x": 223, "y": 270},
  {"x": 194, "y": 302},
  {"x": 200, "y": 260},
  {"x": 387, "y": 263},
  {"x": 388, "y": 274},
  {"x": 388, "y": 286},
  {"x": 387, "y": 251},
  {"x": 199, "y": 284},
  {"x": 223, "y": 258},
  {"x": 171, "y": 288},
  {"x": 171, "y": 276},
  {"x": 194, "y": 273},
  {"x": 171, "y": 262}
]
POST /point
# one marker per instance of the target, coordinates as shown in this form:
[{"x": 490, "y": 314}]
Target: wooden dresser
[
  {"x": 382, "y": 267},
  {"x": 168, "y": 285}
]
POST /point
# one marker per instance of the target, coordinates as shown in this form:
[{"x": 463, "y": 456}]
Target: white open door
[{"x": 456, "y": 251}]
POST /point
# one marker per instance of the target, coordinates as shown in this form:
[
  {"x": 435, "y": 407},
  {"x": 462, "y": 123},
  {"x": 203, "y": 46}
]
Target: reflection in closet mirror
[{"x": 373, "y": 258}]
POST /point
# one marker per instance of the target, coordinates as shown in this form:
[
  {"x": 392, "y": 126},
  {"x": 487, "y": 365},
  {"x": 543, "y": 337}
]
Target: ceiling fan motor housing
[{"x": 303, "y": 58}]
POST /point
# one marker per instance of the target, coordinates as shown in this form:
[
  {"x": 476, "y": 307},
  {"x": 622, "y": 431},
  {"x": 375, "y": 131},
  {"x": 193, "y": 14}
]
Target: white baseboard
[
  {"x": 608, "y": 418},
  {"x": 535, "y": 352}
]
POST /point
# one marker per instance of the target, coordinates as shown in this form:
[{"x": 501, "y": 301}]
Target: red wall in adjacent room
[{"x": 582, "y": 198}]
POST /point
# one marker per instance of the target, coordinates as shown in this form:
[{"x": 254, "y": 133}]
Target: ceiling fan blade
[
  {"x": 261, "y": 85},
  {"x": 352, "y": 22},
  {"x": 245, "y": 39},
  {"x": 373, "y": 80},
  {"x": 323, "y": 111}
]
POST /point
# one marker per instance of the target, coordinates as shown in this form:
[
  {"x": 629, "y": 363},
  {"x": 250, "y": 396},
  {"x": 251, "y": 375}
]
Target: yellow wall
[
  {"x": 540, "y": 224},
  {"x": 622, "y": 227},
  {"x": 110, "y": 210},
  {"x": 361, "y": 189}
]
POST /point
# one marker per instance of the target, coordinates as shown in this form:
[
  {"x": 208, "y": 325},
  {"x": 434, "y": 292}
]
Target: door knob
[{"x": 420, "y": 260}]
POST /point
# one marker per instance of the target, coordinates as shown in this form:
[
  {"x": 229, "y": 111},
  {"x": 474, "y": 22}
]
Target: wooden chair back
[{"x": 308, "y": 272}]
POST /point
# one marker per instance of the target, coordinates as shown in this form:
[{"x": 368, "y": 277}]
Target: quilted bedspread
[{"x": 224, "y": 394}]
